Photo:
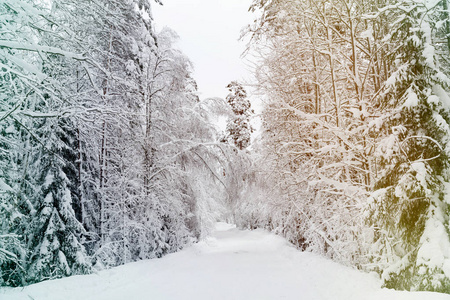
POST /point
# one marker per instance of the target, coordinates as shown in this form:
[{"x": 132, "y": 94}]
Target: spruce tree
[
  {"x": 54, "y": 233},
  {"x": 408, "y": 206},
  {"x": 239, "y": 129},
  {"x": 12, "y": 248}
]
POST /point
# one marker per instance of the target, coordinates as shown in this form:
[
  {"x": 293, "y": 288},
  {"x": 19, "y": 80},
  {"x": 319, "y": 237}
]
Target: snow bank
[{"x": 231, "y": 264}]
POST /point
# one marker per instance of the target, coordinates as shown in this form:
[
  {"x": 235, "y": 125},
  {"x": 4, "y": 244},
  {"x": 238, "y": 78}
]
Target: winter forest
[{"x": 109, "y": 156}]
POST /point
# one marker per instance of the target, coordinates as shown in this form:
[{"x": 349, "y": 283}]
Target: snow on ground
[{"x": 232, "y": 264}]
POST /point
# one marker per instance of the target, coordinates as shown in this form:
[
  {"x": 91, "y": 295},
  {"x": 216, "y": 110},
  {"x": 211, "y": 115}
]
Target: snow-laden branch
[{"x": 39, "y": 48}]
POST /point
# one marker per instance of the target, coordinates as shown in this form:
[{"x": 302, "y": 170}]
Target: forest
[{"x": 109, "y": 156}]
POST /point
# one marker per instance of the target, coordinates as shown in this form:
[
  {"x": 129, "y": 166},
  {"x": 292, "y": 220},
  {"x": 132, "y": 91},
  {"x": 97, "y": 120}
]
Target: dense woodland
[
  {"x": 108, "y": 156},
  {"x": 352, "y": 161}
]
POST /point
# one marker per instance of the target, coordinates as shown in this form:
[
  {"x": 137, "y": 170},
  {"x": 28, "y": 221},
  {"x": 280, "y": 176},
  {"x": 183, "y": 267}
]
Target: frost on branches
[{"x": 313, "y": 160}]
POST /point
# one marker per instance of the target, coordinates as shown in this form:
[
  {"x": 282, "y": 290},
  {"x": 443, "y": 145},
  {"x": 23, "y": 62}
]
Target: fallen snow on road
[{"x": 232, "y": 264}]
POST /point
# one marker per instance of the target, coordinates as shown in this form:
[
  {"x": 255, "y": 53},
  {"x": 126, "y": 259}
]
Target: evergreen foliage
[
  {"x": 54, "y": 233},
  {"x": 239, "y": 129},
  {"x": 409, "y": 204}
]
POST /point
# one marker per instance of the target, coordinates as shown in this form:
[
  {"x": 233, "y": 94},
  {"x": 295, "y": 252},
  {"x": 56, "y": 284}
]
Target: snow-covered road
[{"x": 232, "y": 265}]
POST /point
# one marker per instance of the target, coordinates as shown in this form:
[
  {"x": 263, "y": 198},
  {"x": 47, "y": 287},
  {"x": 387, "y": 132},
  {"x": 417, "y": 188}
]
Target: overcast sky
[{"x": 209, "y": 31}]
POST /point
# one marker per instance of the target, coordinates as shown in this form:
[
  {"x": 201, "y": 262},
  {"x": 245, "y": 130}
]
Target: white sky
[{"x": 209, "y": 31}]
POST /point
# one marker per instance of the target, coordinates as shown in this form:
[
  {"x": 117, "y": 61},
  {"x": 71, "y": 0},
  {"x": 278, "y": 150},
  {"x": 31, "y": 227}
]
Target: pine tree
[
  {"x": 23, "y": 84},
  {"x": 12, "y": 248},
  {"x": 54, "y": 233},
  {"x": 239, "y": 129},
  {"x": 408, "y": 205}
]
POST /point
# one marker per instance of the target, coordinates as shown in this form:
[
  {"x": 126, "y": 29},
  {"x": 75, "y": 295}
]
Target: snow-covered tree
[
  {"x": 100, "y": 142},
  {"x": 315, "y": 72},
  {"x": 29, "y": 65},
  {"x": 238, "y": 129},
  {"x": 54, "y": 233},
  {"x": 409, "y": 209},
  {"x": 12, "y": 248}
]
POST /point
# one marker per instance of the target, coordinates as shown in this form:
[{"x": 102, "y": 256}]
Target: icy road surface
[{"x": 232, "y": 264}]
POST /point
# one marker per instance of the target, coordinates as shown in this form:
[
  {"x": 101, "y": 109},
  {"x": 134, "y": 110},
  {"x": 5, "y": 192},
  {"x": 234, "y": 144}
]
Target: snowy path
[{"x": 231, "y": 265}]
